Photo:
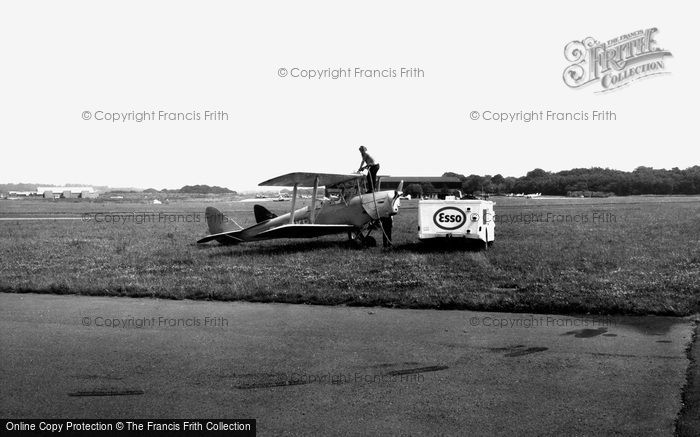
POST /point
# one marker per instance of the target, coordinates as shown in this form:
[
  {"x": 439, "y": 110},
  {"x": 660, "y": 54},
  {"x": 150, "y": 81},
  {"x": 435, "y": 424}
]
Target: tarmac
[{"x": 301, "y": 369}]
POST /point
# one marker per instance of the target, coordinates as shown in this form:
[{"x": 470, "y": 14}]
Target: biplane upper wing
[
  {"x": 307, "y": 179},
  {"x": 303, "y": 231}
]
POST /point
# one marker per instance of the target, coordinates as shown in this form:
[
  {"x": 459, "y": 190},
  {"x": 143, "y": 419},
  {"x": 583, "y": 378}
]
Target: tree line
[
  {"x": 195, "y": 189},
  {"x": 588, "y": 181}
]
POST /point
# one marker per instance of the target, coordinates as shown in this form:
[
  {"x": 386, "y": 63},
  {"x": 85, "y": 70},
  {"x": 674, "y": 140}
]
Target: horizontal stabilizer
[{"x": 223, "y": 238}]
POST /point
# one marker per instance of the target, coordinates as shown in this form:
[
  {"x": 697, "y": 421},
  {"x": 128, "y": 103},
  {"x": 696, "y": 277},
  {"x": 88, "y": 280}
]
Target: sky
[{"x": 68, "y": 65}]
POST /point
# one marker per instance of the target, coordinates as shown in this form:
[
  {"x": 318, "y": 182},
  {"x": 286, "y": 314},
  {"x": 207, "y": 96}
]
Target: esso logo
[{"x": 449, "y": 218}]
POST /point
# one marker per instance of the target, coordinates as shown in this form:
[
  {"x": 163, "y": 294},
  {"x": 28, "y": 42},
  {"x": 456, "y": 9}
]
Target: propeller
[
  {"x": 399, "y": 190},
  {"x": 395, "y": 202}
]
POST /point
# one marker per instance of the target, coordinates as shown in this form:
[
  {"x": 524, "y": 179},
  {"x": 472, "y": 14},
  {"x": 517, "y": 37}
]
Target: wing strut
[
  {"x": 313, "y": 201},
  {"x": 294, "y": 202}
]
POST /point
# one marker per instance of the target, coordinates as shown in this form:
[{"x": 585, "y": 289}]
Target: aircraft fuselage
[{"x": 357, "y": 212}]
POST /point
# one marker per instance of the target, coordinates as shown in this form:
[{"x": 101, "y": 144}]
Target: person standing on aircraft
[{"x": 372, "y": 168}]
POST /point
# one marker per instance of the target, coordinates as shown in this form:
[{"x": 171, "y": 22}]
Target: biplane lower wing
[{"x": 304, "y": 231}]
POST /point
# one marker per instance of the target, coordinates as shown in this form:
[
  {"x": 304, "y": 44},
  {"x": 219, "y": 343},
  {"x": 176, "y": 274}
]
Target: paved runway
[{"x": 305, "y": 369}]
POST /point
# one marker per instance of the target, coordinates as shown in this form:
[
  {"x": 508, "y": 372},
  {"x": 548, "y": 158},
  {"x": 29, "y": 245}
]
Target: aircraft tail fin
[
  {"x": 262, "y": 214},
  {"x": 218, "y": 222}
]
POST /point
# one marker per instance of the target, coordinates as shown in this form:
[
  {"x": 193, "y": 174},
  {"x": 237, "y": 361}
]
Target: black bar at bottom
[{"x": 125, "y": 427}]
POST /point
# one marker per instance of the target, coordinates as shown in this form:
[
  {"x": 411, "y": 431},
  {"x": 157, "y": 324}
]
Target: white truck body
[{"x": 470, "y": 219}]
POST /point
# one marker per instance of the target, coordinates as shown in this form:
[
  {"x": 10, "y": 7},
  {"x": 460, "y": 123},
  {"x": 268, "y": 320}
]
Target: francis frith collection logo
[{"x": 614, "y": 63}]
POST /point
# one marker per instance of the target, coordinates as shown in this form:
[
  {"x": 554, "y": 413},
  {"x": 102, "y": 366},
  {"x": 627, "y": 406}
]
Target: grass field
[{"x": 636, "y": 255}]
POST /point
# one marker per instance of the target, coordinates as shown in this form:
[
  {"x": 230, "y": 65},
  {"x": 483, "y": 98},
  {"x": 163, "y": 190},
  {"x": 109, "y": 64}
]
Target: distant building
[
  {"x": 67, "y": 192},
  {"x": 440, "y": 184},
  {"x": 433, "y": 186}
]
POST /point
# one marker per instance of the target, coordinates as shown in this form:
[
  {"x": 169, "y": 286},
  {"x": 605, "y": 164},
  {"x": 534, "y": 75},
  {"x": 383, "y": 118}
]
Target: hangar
[
  {"x": 66, "y": 192},
  {"x": 440, "y": 184}
]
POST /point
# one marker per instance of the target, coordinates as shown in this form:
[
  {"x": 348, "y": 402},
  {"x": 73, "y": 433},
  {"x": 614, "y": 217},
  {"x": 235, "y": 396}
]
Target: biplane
[{"x": 357, "y": 215}]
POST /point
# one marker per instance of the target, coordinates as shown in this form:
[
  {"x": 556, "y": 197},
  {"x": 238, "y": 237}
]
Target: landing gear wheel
[
  {"x": 355, "y": 241},
  {"x": 360, "y": 241}
]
